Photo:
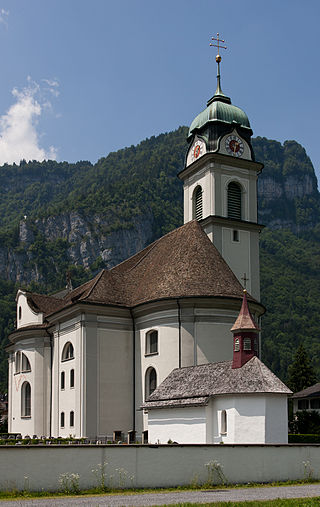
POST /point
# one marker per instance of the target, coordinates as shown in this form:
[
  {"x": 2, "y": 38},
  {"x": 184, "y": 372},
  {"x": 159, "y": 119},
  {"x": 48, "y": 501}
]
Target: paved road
[{"x": 137, "y": 500}]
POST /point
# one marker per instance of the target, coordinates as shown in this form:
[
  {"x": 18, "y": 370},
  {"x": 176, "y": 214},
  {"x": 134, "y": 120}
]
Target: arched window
[
  {"x": 71, "y": 378},
  {"x": 152, "y": 342},
  {"x": 62, "y": 419},
  {"x": 63, "y": 380},
  {"x": 25, "y": 363},
  {"x": 197, "y": 203},
  {"x": 25, "y": 400},
  {"x": 71, "y": 418},
  {"x": 234, "y": 201},
  {"x": 20, "y": 312},
  {"x": 67, "y": 352},
  {"x": 236, "y": 345},
  {"x": 150, "y": 381},
  {"x": 17, "y": 362},
  {"x": 247, "y": 344},
  {"x": 224, "y": 427}
]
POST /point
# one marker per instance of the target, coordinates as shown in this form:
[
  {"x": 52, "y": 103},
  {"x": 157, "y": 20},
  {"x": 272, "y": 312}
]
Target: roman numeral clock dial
[{"x": 234, "y": 146}]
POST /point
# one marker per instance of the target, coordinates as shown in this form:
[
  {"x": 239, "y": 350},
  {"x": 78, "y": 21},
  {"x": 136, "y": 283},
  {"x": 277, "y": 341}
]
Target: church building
[{"x": 84, "y": 364}]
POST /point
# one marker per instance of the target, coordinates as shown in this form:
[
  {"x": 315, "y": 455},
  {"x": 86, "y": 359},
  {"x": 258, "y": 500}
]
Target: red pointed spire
[
  {"x": 245, "y": 339},
  {"x": 245, "y": 321}
]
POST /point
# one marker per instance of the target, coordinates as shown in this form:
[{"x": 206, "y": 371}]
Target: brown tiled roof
[
  {"x": 214, "y": 379},
  {"x": 245, "y": 321},
  {"x": 41, "y": 303},
  {"x": 183, "y": 263},
  {"x": 309, "y": 391}
]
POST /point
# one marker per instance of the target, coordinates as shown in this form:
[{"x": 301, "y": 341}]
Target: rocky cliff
[{"x": 53, "y": 216}]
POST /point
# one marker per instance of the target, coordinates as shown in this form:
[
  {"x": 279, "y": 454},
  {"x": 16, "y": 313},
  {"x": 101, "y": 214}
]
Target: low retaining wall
[{"x": 40, "y": 467}]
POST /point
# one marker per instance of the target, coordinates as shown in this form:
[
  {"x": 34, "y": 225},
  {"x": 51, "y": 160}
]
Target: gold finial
[{"x": 218, "y": 40}]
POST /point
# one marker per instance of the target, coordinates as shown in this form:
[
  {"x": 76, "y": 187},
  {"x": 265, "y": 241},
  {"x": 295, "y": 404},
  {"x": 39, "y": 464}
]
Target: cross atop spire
[
  {"x": 219, "y": 95},
  {"x": 218, "y": 57}
]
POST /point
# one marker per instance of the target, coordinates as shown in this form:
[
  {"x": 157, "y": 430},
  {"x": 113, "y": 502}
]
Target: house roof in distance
[
  {"x": 308, "y": 392},
  {"x": 183, "y": 263},
  {"x": 184, "y": 386}
]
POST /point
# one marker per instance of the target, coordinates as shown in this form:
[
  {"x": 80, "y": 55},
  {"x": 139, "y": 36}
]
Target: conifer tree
[{"x": 301, "y": 373}]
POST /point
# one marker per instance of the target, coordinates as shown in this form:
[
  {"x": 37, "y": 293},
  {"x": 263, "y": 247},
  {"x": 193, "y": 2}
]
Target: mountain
[{"x": 58, "y": 217}]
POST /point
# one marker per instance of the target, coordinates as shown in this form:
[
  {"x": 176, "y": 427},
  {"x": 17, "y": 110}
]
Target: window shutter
[{"x": 234, "y": 201}]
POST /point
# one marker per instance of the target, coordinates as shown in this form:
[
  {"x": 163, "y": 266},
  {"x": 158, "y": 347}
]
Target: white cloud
[
  {"x": 19, "y": 136},
  {"x": 4, "y": 17}
]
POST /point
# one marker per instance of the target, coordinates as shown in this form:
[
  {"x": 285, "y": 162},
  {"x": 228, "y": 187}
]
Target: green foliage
[
  {"x": 305, "y": 421},
  {"x": 301, "y": 373},
  {"x": 296, "y": 438},
  {"x": 290, "y": 289}
]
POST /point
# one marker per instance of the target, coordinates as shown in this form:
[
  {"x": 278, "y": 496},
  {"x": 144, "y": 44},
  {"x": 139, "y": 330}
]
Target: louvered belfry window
[
  {"x": 197, "y": 203},
  {"x": 234, "y": 201}
]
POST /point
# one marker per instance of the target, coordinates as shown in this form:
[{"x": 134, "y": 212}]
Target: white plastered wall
[
  {"x": 164, "y": 361},
  {"x": 186, "y": 425},
  {"x": 28, "y": 316},
  {"x": 38, "y": 353},
  {"x": 69, "y": 399}
]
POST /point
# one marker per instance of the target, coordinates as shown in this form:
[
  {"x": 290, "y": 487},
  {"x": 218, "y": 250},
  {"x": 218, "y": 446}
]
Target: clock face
[
  {"x": 197, "y": 150},
  {"x": 234, "y": 146}
]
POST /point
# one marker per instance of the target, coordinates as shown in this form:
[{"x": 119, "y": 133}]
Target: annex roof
[
  {"x": 308, "y": 392},
  {"x": 184, "y": 385}
]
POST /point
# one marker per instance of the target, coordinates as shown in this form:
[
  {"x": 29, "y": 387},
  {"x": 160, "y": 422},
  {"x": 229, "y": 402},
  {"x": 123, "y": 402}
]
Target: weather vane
[{"x": 218, "y": 40}]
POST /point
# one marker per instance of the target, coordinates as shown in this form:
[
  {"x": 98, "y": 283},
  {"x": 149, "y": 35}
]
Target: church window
[
  {"x": 303, "y": 404},
  {"x": 224, "y": 428},
  {"x": 20, "y": 312},
  {"x": 236, "y": 345},
  {"x": 71, "y": 378},
  {"x": 71, "y": 418},
  {"x": 63, "y": 377},
  {"x": 197, "y": 203},
  {"x": 62, "y": 419},
  {"x": 234, "y": 201},
  {"x": 152, "y": 342},
  {"x": 25, "y": 363},
  {"x": 17, "y": 361},
  {"x": 247, "y": 344},
  {"x": 25, "y": 400},
  {"x": 235, "y": 235},
  {"x": 67, "y": 352},
  {"x": 150, "y": 381}
]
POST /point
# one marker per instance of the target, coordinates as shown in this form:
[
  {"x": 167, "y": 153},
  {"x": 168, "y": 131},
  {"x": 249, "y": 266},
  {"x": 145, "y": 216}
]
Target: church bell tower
[{"x": 220, "y": 183}]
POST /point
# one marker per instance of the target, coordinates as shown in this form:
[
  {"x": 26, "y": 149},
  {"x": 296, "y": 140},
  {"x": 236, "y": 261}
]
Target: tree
[{"x": 301, "y": 373}]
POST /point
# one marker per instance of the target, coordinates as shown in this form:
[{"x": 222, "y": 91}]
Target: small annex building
[
  {"x": 235, "y": 402},
  {"x": 307, "y": 399}
]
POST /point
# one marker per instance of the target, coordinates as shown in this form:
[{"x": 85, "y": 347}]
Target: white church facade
[{"x": 84, "y": 364}]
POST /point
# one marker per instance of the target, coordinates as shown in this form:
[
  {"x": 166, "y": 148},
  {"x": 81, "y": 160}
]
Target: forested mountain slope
[{"x": 59, "y": 217}]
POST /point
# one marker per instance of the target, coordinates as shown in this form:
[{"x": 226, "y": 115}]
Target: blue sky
[{"x": 80, "y": 79}]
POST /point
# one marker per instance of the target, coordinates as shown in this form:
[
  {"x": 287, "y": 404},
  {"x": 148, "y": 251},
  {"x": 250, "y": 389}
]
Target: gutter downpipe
[
  {"x": 133, "y": 371},
  {"x": 179, "y": 321},
  {"x": 51, "y": 387}
]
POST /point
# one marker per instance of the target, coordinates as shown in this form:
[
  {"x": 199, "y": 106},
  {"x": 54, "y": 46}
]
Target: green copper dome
[
  {"x": 219, "y": 109},
  {"x": 222, "y": 112}
]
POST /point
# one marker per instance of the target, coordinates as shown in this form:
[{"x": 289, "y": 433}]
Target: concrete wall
[{"x": 154, "y": 466}]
